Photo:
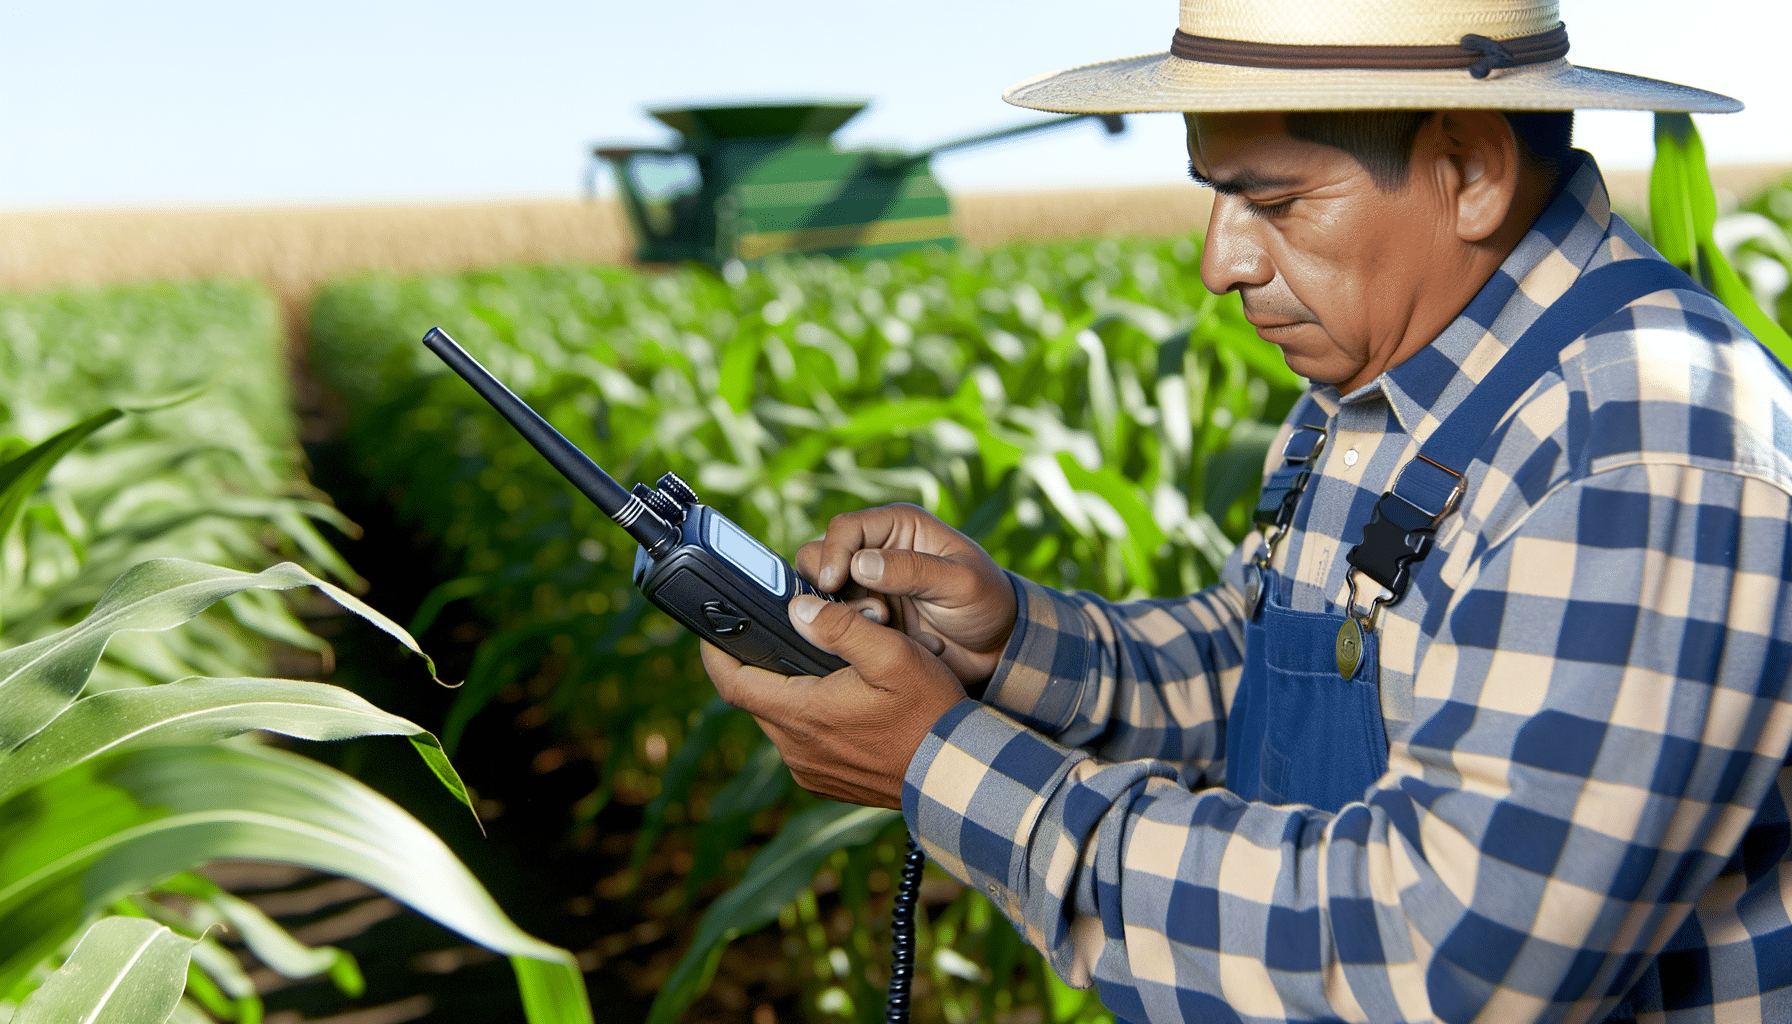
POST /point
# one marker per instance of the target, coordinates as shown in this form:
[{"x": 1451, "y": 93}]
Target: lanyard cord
[{"x": 902, "y": 934}]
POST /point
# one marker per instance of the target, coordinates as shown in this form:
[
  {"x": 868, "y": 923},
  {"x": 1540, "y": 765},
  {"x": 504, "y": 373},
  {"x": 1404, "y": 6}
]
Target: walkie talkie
[{"x": 693, "y": 563}]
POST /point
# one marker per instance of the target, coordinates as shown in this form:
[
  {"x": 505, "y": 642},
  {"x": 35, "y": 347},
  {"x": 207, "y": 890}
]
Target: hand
[
  {"x": 901, "y": 566},
  {"x": 851, "y": 735}
]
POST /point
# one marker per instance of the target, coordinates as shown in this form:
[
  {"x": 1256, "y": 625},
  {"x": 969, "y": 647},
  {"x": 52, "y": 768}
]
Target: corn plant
[
  {"x": 1683, "y": 215},
  {"x": 121, "y": 764},
  {"x": 215, "y": 477},
  {"x": 1758, "y": 241},
  {"x": 107, "y": 796}
]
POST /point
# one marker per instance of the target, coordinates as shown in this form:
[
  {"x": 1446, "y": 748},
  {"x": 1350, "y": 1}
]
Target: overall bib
[{"x": 1305, "y": 726}]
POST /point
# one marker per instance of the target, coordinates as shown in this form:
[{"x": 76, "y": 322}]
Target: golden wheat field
[{"x": 294, "y": 250}]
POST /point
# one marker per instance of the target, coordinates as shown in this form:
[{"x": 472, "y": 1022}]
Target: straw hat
[{"x": 1359, "y": 55}]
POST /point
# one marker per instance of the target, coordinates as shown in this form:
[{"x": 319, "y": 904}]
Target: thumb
[
  {"x": 875, "y": 651},
  {"x": 754, "y": 690}
]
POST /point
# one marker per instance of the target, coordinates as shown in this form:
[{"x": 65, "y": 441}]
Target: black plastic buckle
[
  {"x": 1399, "y": 535},
  {"x": 1281, "y": 494}
]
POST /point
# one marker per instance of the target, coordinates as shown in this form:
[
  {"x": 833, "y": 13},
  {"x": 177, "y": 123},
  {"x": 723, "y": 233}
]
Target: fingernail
[
  {"x": 935, "y": 646},
  {"x": 870, "y": 566},
  {"x": 870, "y": 613},
  {"x": 806, "y": 607},
  {"x": 827, "y": 579}
]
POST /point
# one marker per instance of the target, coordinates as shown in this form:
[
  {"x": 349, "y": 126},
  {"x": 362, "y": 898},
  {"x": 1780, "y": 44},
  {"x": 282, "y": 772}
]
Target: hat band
[{"x": 1478, "y": 54}]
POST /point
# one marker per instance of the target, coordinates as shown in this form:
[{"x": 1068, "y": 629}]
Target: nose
[{"x": 1233, "y": 255}]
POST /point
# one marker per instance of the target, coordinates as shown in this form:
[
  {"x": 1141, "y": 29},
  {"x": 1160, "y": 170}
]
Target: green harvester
[{"x": 747, "y": 182}]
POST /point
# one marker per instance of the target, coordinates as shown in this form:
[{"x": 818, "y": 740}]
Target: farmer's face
[{"x": 1340, "y": 275}]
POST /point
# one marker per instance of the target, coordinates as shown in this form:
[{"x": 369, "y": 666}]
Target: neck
[{"x": 1456, "y": 280}]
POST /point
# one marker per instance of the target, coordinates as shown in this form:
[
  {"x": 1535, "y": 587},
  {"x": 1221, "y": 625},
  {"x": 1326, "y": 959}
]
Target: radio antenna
[{"x": 649, "y": 529}]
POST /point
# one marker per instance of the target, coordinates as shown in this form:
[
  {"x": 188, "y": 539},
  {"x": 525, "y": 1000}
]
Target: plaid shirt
[{"x": 1585, "y": 695}]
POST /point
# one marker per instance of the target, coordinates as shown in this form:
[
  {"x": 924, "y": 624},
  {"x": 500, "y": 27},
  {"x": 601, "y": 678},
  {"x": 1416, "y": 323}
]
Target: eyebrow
[{"x": 1244, "y": 182}]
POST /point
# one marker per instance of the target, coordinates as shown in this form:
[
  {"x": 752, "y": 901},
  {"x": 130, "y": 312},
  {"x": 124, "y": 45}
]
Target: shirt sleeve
[
  {"x": 1127, "y": 680},
  {"x": 1601, "y": 718}
]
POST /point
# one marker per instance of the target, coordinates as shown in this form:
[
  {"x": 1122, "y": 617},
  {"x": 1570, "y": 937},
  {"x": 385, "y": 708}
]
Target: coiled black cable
[{"x": 902, "y": 934}]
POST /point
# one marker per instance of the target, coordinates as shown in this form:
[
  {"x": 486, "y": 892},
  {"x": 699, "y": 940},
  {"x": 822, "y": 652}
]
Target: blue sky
[{"x": 200, "y": 102}]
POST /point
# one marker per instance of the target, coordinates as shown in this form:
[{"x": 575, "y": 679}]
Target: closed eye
[{"x": 1269, "y": 210}]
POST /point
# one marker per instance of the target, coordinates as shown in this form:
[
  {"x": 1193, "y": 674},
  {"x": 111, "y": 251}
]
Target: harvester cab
[{"x": 748, "y": 182}]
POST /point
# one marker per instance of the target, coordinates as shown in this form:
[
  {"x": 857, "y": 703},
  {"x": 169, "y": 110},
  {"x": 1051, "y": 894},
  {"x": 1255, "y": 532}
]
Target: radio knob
[
  {"x": 660, "y": 505},
  {"x": 677, "y": 489}
]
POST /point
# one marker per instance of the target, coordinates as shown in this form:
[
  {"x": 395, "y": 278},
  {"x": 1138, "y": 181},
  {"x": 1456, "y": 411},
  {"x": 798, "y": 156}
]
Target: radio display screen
[{"x": 746, "y": 554}]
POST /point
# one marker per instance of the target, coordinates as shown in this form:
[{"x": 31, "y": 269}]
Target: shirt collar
[{"x": 1565, "y": 238}]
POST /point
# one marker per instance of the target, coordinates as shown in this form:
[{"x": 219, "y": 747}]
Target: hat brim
[{"x": 1159, "y": 81}]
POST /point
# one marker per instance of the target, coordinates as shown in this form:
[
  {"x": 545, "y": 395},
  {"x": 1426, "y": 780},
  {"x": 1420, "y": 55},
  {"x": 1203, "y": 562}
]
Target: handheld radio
[
  {"x": 693, "y": 563},
  {"x": 713, "y": 577}
]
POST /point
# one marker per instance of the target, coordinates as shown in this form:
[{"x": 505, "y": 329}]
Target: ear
[{"x": 1479, "y": 163}]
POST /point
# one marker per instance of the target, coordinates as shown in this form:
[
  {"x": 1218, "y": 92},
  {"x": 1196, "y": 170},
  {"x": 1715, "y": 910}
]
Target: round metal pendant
[
  {"x": 1253, "y": 589},
  {"x": 1350, "y": 648}
]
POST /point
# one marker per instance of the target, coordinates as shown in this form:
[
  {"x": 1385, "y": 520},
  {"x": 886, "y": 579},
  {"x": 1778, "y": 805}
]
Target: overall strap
[
  {"x": 1282, "y": 489},
  {"x": 1281, "y": 495},
  {"x": 1400, "y": 532}
]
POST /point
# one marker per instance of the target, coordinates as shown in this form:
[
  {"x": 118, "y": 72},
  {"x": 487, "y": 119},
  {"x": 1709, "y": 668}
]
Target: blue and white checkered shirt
[{"x": 1585, "y": 694}]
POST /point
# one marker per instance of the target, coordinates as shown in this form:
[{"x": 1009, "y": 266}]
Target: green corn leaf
[
  {"x": 199, "y": 710},
  {"x": 761, "y": 782},
  {"x": 204, "y": 989},
  {"x": 208, "y": 803},
  {"x": 40, "y": 679},
  {"x": 1682, "y": 210},
  {"x": 776, "y": 875},
  {"x": 1104, "y": 406},
  {"x": 126, "y": 970},
  {"x": 890, "y": 418},
  {"x": 1682, "y": 204},
  {"x": 444, "y": 594},
  {"x": 553, "y": 992},
  {"x": 681, "y": 771},
  {"x": 1127, "y": 498},
  {"x": 740, "y": 355},
  {"x": 485, "y": 678},
  {"x": 273, "y": 945},
  {"x": 23, "y": 474},
  {"x": 1237, "y": 469},
  {"x": 1048, "y": 474}
]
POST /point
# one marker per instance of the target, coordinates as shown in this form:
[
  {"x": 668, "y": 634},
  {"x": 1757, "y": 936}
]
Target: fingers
[
  {"x": 751, "y": 688},
  {"x": 877, "y": 653},
  {"x": 827, "y": 561},
  {"x": 946, "y": 582},
  {"x": 873, "y": 608}
]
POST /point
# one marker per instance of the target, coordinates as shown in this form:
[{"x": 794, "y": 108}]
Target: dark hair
[{"x": 1381, "y": 140}]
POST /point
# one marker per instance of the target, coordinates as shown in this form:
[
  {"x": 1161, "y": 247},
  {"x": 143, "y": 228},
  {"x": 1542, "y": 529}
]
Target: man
[{"x": 1491, "y": 719}]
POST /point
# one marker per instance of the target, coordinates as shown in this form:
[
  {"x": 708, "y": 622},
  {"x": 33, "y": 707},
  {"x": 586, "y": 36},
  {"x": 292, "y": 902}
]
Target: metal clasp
[
  {"x": 1366, "y": 619},
  {"x": 1455, "y": 492}
]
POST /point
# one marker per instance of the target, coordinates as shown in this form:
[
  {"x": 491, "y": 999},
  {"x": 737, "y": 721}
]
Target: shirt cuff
[
  {"x": 973, "y": 794},
  {"x": 1044, "y": 673}
]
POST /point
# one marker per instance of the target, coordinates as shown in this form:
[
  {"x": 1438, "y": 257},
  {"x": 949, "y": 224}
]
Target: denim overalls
[{"x": 1305, "y": 726}]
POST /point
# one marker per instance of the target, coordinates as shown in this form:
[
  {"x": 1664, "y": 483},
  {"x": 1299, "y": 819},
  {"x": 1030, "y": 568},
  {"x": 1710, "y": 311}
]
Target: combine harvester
[{"x": 754, "y": 181}]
